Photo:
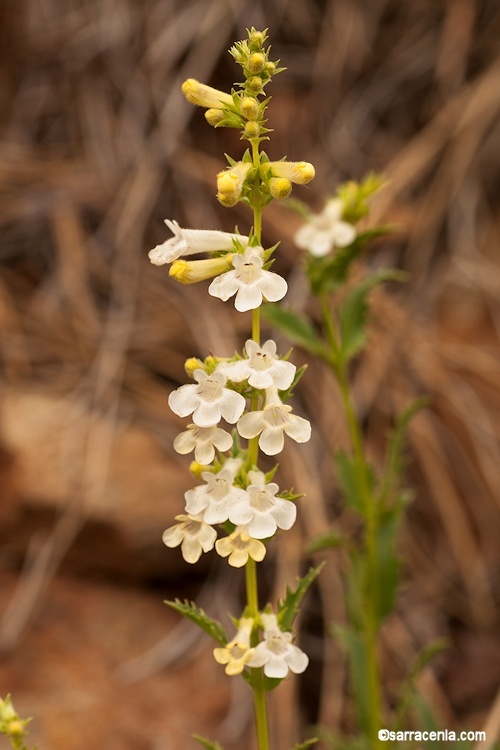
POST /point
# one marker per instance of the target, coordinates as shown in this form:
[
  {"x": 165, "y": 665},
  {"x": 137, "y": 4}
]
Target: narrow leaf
[
  {"x": 189, "y": 609},
  {"x": 354, "y": 312},
  {"x": 356, "y": 651},
  {"x": 298, "y": 329},
  {"x": 307, "y": 744},
  {"x": 289, "y": 607},
  {"x": 329, "y": 540},
  {"x": 206, "y": 743},
  {"x": 351, "y": 480}
]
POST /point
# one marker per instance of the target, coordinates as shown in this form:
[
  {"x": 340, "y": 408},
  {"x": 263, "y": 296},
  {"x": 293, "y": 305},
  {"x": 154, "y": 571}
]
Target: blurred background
[{"x": 97, "y": 148}]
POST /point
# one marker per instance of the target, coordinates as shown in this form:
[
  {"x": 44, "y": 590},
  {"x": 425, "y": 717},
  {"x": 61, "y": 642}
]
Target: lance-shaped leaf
[
  {"x": 189, "y": 609},
  {"x": 358, "y": 662},
  {"x": 307, "y": 744},
  {"x": 296, "y": 327},
  {"x": 328, "y": 540},
  {"x": 289, "y": 606},
  {"x": 206, "y": 743},
  {"x": 354, "y": 312}
]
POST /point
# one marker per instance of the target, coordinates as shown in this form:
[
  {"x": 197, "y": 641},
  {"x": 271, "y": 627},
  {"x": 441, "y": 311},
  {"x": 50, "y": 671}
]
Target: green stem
[
  {"x": 258, "y": 686},
  {"x": 338, "y": 365}
]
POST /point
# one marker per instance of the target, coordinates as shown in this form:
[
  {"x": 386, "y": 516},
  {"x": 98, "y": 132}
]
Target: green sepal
[
  {"x": 329, "y": 540},
  {"x": 296, "y": 327},
  {"x": 206, "y": 743},
  {"x": 288, "y": 608},
  {"x": 307, "y": 744},
  {"x": 189, "y": 609},
  {"x": 353, "y": 312},
  {"x": 330, "y": 272}
]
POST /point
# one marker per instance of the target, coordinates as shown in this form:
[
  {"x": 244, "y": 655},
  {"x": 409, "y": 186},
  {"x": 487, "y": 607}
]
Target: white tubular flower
[
  {"x": 262, "y": 513},
  {"x": 300, "y": 172},
  {"x": 238, "y": 547},
  {"x": 237, "y": 653},
  {"x": 212, "y": 501},
  {"x": 272, "y": 423},
  {"x": 276, "y": 653},
  {"x": 262, "y": 369},
  {"x": 326, "y": 230},
  {"x": 204, "y": 441},
  {"x": 205, "y": 96},
  {"x": 193, "y": 534},
  {"x": 208, "y": 400},
  {"x": 191, "y": 242},
  {"x": 249, "y": 282}
]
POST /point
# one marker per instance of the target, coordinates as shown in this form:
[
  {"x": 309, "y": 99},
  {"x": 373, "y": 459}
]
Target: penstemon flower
[
  {"x": 208, "y": 401},
  {"x": 238, "y": 547},
  {"x": 193, "y": 241},
  {"x": 272, "y": 423},
  {"x": 276, "y": 653},
  {"x": 193, "y": 534},
  {"x": 326, "y": 230},
  {"x": 262, "y": 369},
  {"x": 261, "y": 513},
  {"x": 212, "y": 501},
  {"x": 237, "y": 653},
  {"x": 249, "y": 281},
  {"x": 203, "y": 441}
]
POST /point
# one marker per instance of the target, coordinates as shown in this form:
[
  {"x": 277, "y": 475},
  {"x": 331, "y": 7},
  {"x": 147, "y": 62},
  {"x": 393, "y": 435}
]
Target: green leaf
[
  {"x": 206, "y": 743},
  {"x": 350, "y": 473},
  {"x": 395, "y": 447},
  {"x": 298, "y": 329},
  {"x": 189, "y": 609},
  {"x": 307, "y": 744},
  {"x": 386, "y": 571},
  {"x": 329, "y": 540},
  {"x": 289, "y": 607},
  {"x": 357, "y": 657},
  {"x": 354, "y": 312}
]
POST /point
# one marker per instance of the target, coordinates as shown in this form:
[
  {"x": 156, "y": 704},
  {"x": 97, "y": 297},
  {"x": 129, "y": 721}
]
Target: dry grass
[{"x": 98, "y": 147}]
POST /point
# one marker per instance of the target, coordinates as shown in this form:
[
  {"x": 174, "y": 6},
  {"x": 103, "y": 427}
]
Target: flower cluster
[
  {"x": 233, "y": 490},
  {"x": 238, "y": 406}
]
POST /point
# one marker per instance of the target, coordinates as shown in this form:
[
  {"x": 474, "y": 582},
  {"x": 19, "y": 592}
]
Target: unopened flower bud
[
  {"x": 230, "y": 183},
  {"x": 214, "y": 116},
  {"x": 300, "y": 172},
  {"x": 197, "y": 469},
  {"x": 250, "y": 108},
  {"x": 256, "y": 62},
  {"x": 255, "y": 84},
  {"x": 256, "y": 39},
  {"x": 190, "y": 272},
  {"x": 280, "y": 188},
  {"x": 270, "y": 67},
  {"x": 192, "y": 364},
  {"x": 252, "y": 130},
  {"x": 205, "y": 96}
]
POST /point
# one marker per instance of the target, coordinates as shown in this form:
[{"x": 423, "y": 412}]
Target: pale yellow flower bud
[
  {"x": 255, "y": 84},
  {"x": 214, "y": 116},
  {"x": 230, "y": 183},
  {"x": 280, "y": 188},
  {"x": 192, "y": 364},
  {"x": 252, "y": 130},
  {"x": 205, "y": 96},
  {"x": 197, "y": 469},
  {"x": 300, "y": 172},
  {"x": 270, "y": 67},
  {"x": 190, "y": 272},
  {"x": 256, "y": 62},
  {"x": 250, "y": 108},
  {"x": 256, "y": 39}
]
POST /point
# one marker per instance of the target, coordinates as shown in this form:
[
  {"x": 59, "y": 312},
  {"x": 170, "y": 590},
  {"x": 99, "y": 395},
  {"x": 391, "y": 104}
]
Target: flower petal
[
  {"x": 248, "y": 297},
  {"x": 232, "y": 406},
  {"x": 273, "y": 286},
  {"x": 298, "y": 428},
  {"x": 250, "y": 424},
  {"x": 271, "y": 440},
  {"x": 296, "y": 659},
  {"x": 184, "y": 400}
]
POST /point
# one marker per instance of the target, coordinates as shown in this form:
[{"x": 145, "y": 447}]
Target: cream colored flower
[
  {"x": 193, "y": 534},
  {"x": 272, "y": 423},
  {"x": 276, "y": 653},
  {"x": 238, "y": 547},
  {"x": 262, "y": 369},
  {"x": 326, "y": 230},
  {"x": 192, "y": 242},
  {"x": 203, "y": 441},
  {"x": 208, "y": 400},
  {"x": 205, "y": 96},
  {"x": 237, "y": 653},
  {"x": 300, "y": 172},
  {"x": 249, "y": 282}
]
